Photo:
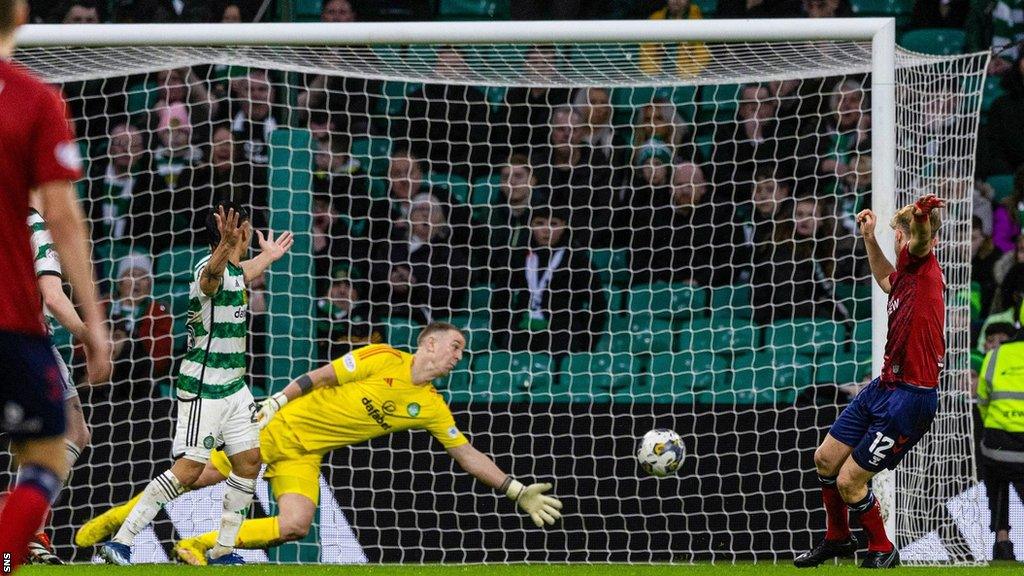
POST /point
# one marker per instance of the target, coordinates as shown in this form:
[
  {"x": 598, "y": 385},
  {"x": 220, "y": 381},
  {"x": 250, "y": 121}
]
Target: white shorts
[
  {"x": 65, "y": 376},
  {"x": 205, "y": 424}
]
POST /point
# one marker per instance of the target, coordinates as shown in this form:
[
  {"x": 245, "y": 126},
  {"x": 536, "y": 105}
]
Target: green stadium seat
[
  {"x": 806, "y": 336},
  {"x": 763, "y": 378},
  {"x": 402, "y": 334},
  {"x": 856, "y": 296},
  {"x": 176, "y": 264},
  {"x": 611, "y": 265},
  {"x": 504, "y": 376},
  {"x": 457, "y": 387},
  {"x": 841, "y": 368},
  {"x": 668, "y": 301},
  {"x": 685, "y": 372},
  {"x": 733, "y": 336},
  {"x": 392, "y": 100},
  {"x": 106, "y": 254},
  {"x": 627, "y": 100},
  {"x": 306, "y": 10},
  {"x": 592, "y": 375},
  {"x": 937, "y": 41},
  {"x": 476, "y": 326},
  {"x": 473, "y": 10},
  {"x": 732, "y": 301},
  {"x": 695, "y": 335},
  {"x": 899, "y": 9},
  {"x": 707, "y": 7},
  {"x": 456, "y": 186},
  {"x": 373, "y": 154},
  {"x": 484, "y": 195},
  {"x": 480, "y": 298},
  {"x": 992, "y": 92},
  {"x": 1002, "y": 186},
  {"x": 644, "y": 335},
  {"x": 719, "y": 101}
]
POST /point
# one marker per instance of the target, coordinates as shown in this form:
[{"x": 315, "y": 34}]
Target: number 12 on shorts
[{"x": 879, "y": 446}]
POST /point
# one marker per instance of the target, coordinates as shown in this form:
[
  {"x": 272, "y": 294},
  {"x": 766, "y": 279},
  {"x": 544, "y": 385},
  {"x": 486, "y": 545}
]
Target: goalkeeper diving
[{"x": 369, "y": 392}]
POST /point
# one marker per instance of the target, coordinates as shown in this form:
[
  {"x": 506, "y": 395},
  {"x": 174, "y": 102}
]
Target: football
[{"x": 661, "y": 452}]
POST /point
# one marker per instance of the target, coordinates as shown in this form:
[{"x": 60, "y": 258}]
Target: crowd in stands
[{"x": 760, "y": 195}]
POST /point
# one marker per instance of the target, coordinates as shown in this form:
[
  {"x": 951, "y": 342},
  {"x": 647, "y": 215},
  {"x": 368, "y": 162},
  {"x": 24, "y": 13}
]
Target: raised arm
[
  {"x": 270, "y": 251},
  {"x": 542, "y": 509},
  {"x": 322, "y": 376},
  {"x": 881, "y": 268},
  {"x": 921, "y": 225},
  {"x": 231, "y": 233}
]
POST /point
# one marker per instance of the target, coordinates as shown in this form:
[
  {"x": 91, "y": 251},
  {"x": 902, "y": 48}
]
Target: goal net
[{"x": 632, "y": 235}]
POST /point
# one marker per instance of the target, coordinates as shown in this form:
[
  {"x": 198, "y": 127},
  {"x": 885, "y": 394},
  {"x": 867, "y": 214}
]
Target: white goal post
[{"x": 739, "y": 52}]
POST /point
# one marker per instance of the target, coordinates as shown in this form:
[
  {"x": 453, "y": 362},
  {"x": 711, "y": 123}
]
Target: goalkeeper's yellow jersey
[{"x": 374, "y": 396}]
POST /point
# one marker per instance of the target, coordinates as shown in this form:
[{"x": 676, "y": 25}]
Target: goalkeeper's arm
[
  {"x": 542, "y": 509},
  {"x": 322, "y": 376}
]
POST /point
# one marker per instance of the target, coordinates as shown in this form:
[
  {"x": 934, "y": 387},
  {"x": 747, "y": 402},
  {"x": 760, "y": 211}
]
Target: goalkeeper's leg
[
  {"x": 292, "y": 523},
  {"x": 103, "y": 526}
]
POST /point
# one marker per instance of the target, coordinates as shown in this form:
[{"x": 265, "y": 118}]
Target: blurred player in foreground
[
  {"x": 37, "y": 154},
  {"x": 369, "y": 392},
  {"x": 889, "y": 416}
]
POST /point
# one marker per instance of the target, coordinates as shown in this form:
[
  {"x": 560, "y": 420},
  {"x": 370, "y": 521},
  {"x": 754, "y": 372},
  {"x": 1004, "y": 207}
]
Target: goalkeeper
[{"x": 369, "y": 392}]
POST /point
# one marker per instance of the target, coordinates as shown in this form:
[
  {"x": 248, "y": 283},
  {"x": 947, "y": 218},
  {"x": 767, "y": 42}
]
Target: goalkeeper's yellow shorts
[{"x": 290, "y": 468}]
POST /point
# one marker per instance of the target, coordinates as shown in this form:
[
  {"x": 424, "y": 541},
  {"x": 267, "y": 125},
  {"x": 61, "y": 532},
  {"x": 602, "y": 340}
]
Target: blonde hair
[{"x": 905, "y": 216}]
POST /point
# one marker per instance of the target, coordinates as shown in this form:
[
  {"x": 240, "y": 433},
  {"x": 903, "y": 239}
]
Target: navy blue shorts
[
  {"x": 31, "y": 392},
  {"x": 884, "y": 422}
]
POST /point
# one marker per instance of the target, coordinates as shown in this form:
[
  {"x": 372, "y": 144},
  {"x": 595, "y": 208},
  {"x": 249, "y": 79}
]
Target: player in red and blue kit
[
  {"x": 37, "y": 155},
  {"x": 896, "y": 410}
]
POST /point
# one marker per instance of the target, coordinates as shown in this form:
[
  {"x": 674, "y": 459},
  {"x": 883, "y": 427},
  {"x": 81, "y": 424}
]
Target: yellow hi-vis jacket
[{"x": 1001, "y": 402}]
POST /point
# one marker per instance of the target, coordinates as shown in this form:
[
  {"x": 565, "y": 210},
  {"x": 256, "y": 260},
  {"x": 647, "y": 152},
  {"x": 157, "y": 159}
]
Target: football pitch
[{"x": 496, "y": 570}]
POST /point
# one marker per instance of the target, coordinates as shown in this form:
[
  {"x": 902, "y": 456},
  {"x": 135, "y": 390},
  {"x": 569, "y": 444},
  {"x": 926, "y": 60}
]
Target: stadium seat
[
  {"x": 484, "y": 195},
  {"x": 719, "y": 102},
  {"x": 106, "y": 254},
  {"x": 685, "y": 373},
  {"x": 937, "y": 41},
  {"x": 627, "y": 100},
  {"x": 372, "y": 153},
  {"x": 763, "y": 378},
  {"x": 668, "y": 301},
  {"x": 306, "y": 10},
  {"x": 694, "y": 335},
  {"x": 611, "y": 265},
  {"x": 732, "y": 301},
  {"x": 644, "y": 335},
  {"x": 841, "y": 368},
  {"x": 992, "y": 92},
  {"x": 504, "y": 376},
  {"x": 392, "y": 100},
  {"x": 806, "y": 336},
  {"x": 473, "y": 10},
  {"x": 1002, "y": 186},
  {"x": 402, "y": 333},
  {"x": 898, "y": 9},
  {"x": 477, "y": 328},
  {"x": 458, "y": 386},
  {"x": 175, "y": 265},
  {"x": 856, "y": 297},
  {"x": 456, "y": 186},
  {"x": 733, "y": 336},
  {"x": 589, "y": 376},
  {"x": 707, "y": 7},
  {"x": 480, "y": 298}
]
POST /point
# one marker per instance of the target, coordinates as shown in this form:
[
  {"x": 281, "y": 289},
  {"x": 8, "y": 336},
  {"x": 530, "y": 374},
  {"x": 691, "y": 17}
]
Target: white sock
[
  {"x": 160, "y": 491},
  {"x": 237, "y": 499}
]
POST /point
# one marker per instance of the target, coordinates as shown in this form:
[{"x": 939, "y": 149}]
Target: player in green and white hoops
[
  {"x": 215, "y": 406},
  {"x": 57, "y": 307}
]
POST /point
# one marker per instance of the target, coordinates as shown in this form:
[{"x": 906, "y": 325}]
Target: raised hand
[
  {"x": 925, "y": 204},
  {"x": 275, "y": 249},
  {"x": 867, "y": 220},
  {"x": 231, "y": 233}
]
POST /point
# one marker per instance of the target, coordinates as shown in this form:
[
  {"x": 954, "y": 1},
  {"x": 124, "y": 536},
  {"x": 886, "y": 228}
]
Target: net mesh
[{"x": 708, "y": 279}]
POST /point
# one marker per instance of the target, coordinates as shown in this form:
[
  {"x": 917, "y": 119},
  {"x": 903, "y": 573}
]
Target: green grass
[{"x": 495, "y": 570}]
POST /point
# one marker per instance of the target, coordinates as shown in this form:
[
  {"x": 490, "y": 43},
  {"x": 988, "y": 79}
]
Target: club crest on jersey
[
  {"x": 413, "y": 409},
  {"x": 67, "y": 154},
  {"x": 208, "y": 442},
  {"x": 349, "y": 361}
]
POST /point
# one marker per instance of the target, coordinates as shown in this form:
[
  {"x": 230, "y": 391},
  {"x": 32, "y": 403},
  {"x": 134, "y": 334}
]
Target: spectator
[
  {"x": 690, "y": 57},
  {"x": 1007, "y": 31},
  {"x": 344, "y": 320},
  {"x": 163, "y": 11},
  {"x": 142, "y": 329},
  {"x": 126, "y": 201},
  {"x": 648, "y": 188},
  {"x": 223, "y": 175},
  {"x": 252, "y": 123},
  {"x": 578, "y": 178},
  {"x": 998, "y": 333},
  {"x": 659, "y": 120},
  {"x": 331, "y": 244},
  {"x": 418, "y": 274},
  {"x": 772, "y": 204},
  {"x": 231, "y": 14},
  {"x": 940, "y": 13},
  {"x": 554, "y": 301},
  {"x": 984, "y": 256},
  {"x": 447, "y": 123},
  {"x": 524, "y": 120},
  {"x": 825, "y": 9},
  {"x": 1004, "y": 309},
  {"x": 508, "y": 224},
  {"x": 827, "y": 149},
  {"x": 758, "y": 9},
  {"x": 347, "y": 99},
  {"x": 1001, "y": 149},
  {"x": 1008, "y": 260},
  {"x": 595, "y": 112},
  {"x": 81, "y": 12},
  {"x": 1006, "y": 215},
  {"x": 797, "y": 271},
  {"x": 407, "y": 179},
  {"x": 174, "y": 152},
  {"x": 755, "y": 137},
  {"x": 181, "y": 88},
  {"x": 679, "y": 235}
]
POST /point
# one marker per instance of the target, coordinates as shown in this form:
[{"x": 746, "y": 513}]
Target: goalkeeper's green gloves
[
  {"x": 532, "y": 500},
  {"x": 269, "y": 407}
]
